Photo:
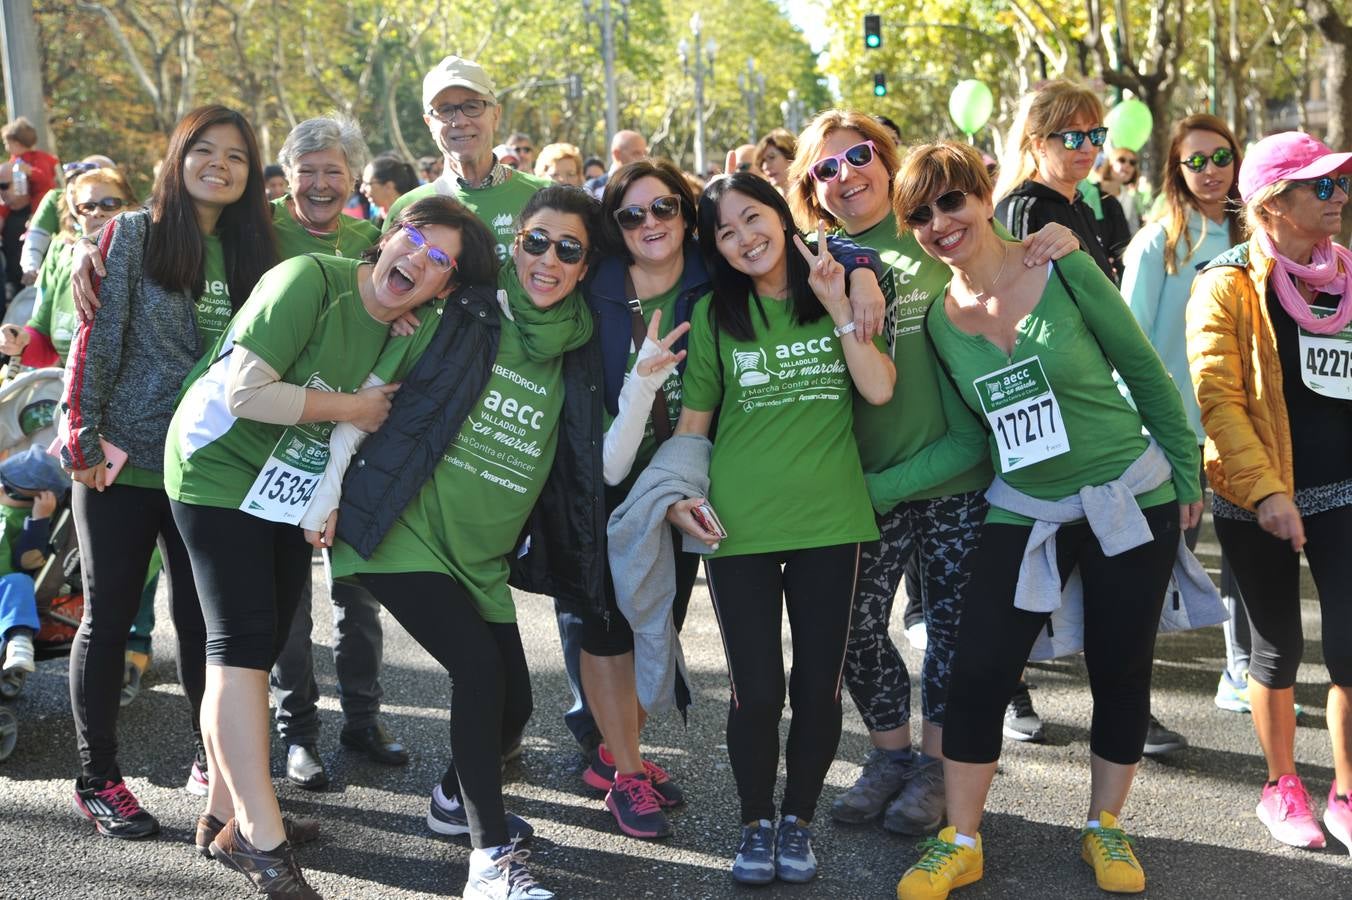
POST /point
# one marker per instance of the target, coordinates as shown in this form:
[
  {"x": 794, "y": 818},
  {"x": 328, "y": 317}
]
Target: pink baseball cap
[{"x": 1288, "y": 156}]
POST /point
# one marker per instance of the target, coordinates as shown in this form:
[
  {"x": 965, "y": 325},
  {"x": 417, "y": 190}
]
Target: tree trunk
[{"x": 1339, "y": 36}]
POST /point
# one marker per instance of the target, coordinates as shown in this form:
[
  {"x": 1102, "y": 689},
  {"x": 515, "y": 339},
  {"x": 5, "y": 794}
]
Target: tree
[{"x": 1336, "y": 30}]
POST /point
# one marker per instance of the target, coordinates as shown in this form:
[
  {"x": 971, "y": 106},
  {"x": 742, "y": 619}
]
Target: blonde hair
[
  {"x": 1040, "y": 113},
  {"x": 552, "y": 153},
  {"x": 1255, "y": 217},
  {"x": 802, "y": 194},
  {"x": 105, "y": 175},
  {"x": 931, "y": 169}
]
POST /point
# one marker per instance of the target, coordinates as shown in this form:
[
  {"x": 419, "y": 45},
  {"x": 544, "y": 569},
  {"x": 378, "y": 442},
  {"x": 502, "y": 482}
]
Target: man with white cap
[{"x": 461, "y": 111}]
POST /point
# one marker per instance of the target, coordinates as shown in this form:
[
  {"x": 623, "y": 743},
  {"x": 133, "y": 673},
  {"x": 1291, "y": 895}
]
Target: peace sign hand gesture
[
  {"x": 826, "y": 276},
  {"x": 656, "y": 355}
]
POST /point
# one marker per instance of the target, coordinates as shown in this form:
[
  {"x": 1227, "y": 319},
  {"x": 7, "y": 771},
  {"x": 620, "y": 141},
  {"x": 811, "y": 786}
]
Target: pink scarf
[{"x": 1329, "y": 272}]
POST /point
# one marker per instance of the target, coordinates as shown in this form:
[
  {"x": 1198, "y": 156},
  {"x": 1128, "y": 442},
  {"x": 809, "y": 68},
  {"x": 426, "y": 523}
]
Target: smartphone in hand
[
  {"x": 114, "y": 458},
  {"x": 707, "y": 519}
]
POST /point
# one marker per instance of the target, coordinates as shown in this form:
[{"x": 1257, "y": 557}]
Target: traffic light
[
  {"x": 879, "y": 84},
  {"x": 873, "y": 31}
]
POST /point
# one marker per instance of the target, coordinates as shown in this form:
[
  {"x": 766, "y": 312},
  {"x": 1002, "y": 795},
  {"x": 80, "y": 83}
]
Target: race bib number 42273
[{"x": 1023, "y": 414}]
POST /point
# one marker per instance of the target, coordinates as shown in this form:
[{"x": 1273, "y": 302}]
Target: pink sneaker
[
  {"x": 197, "y": 785},
  {"x": 1338, "y": 817},
  {"x": 1285, "y": 810}
]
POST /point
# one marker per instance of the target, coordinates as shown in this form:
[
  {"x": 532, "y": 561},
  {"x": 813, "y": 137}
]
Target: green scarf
[{"x": 546, "y": 333}]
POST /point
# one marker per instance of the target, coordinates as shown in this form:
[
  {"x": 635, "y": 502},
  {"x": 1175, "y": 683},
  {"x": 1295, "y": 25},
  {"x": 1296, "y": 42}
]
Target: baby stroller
[{"x": 29, "y": 401}]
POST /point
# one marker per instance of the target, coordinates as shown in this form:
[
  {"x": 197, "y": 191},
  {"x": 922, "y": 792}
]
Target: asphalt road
[{"x": 1192, "y": 815}]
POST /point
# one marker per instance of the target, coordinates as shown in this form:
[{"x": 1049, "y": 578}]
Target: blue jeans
[{"x": 18, "y": 606}]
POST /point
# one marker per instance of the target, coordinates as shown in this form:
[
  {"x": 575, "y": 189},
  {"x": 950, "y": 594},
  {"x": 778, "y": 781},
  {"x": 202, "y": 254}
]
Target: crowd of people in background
[{"x": 1004, "y": 386}]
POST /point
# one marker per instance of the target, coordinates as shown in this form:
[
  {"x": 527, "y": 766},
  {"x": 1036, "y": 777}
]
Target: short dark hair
[
  {"x": 478, "y": 259},
  {"x": 623, "y": 179},
  {"x": 388, "y": 167},
  {"x": 731, "y": 307},
  {"x": 568, "y": 199},
  {"x": 272, "y": 170}
]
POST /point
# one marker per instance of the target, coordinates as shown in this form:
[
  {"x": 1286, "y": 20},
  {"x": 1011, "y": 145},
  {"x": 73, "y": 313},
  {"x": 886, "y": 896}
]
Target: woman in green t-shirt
[
  {"x": 1032, "y": 352},
  {"x": 441, "y": 567},
  {"x": 88, "y": 203},
  {"x": 785, "y": 478},
  {"x": 245, "y": 451}
]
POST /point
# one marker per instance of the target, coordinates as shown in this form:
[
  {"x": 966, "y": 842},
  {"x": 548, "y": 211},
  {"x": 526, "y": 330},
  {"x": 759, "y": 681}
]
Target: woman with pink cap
[{"x": 1270, "y": 345}]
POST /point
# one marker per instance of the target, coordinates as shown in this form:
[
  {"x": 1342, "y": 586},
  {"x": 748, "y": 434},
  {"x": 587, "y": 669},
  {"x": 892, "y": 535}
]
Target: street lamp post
[
  {"x": 792, "y": 110},
  {"x": 752, "y": 85},
  {"x": 701, "y": 66},
  {"x": 605, "y": 21}
]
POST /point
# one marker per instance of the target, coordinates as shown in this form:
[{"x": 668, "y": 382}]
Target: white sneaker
[
  {"x": 917, "y": 637},
  {"x": 499, "y": 873},
  {"x": 19, "y": 653}
]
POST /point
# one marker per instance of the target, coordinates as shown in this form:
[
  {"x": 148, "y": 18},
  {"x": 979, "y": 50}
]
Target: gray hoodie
[{"x": 127, "y": 366}]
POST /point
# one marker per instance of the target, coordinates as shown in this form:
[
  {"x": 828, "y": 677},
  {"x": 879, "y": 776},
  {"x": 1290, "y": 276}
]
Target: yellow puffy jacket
[{"x": 1232, "y": 352}]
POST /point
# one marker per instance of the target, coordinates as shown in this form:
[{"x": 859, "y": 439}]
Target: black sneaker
[
  {"x": 447, "y": 816},
  {"x": 1021, "y": 720},
  {"x": 1160, "y": 740},
  {"x": 113, "y": 809}
]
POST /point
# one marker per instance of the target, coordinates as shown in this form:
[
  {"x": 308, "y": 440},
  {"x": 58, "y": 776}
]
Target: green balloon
[
  {"x": 970, "y": 105},
  {"x": 1129, "y": 125}
]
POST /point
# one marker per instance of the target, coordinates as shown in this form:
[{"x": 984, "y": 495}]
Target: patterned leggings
[{"x": 943, "y": 532}]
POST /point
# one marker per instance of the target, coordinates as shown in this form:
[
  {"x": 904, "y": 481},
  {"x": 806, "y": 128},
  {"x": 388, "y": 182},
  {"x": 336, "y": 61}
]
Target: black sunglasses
[
  {"x": 1323, "y": 187},
  {"x": 947, "y": 203},
  {"x": 1221, "y": 158},
  {"x": 107, "y": 204},
  {"x": 664, "y": 209},
  {"x": 1072, "y": 140},
  {"x": 536, "y": 243},
  {"x": 828, "y": 168}
]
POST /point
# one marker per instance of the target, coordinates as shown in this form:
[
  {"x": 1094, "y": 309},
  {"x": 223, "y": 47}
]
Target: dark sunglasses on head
[
  {"x": 536, "y": 243},
  {"x": 1323, "y": 187},
  {"x": 1221, "y": 158},
  {"x": 947, "y": 203},
  {"x": 107, "y": 204},
  {"x": 828, "y": 167},
  {"x": 1072, "y": 140},
  {"x": 664, "y": 209},
  {"x": 78, "y": 168},
  {"x": 435, "y": 255}
]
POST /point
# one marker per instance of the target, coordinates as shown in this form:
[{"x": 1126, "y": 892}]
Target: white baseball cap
[{"x": 455, "y": 71}]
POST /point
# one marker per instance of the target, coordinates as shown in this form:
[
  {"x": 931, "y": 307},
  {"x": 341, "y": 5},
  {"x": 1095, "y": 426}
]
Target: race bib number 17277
[{"x": 1023, "y": 414}]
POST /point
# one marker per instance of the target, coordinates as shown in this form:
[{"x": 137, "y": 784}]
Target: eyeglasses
[
  {"x": 1126, "y": 161},
  {"x": 471, "y": 108},
  {"x": 1323, "y": 187},
  {"x": 632, "y": 217},
  {"x": 947, "y": 203},
  {"x": 536, "y": 243},
  {"x": 828, "y": 167},
  {"x": 107, "y": 204},
  {"x": 1072, "y": 140},
  {"x": 435, "y": 256},
  {"x": 1221, "y": 158}
]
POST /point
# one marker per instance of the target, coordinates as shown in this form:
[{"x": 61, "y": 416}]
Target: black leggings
[
  {"x": 1122, "y": 599},
  {"x": 490, "y": 686},
  {"x": 250, "y": 575},
  {"x": 118, "y": 530},
  {"x": 749, "y": 595},
  {"x": 1268, "y": 573}
]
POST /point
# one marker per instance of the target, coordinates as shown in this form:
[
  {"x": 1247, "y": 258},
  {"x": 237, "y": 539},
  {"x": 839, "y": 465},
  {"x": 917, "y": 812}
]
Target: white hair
[{"x": 325, "y": 133}]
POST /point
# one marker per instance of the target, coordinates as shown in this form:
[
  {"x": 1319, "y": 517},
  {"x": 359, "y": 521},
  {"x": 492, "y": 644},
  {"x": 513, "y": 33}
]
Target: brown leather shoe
[
  {"x": 298, "y": 831},
  {"x": 274, "y": 873}
]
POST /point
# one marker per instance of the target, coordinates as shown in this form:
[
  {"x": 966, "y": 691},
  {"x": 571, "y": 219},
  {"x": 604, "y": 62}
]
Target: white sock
[
  {"x": 1092, "y": 823},
  {"x": 963, "y": 840}
]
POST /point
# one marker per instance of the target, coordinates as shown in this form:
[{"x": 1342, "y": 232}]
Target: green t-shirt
[
  {"x": 13, "y": 518},
  {"x": 47, "y": 216},
  {"x": 467, "y": 518},
  {"x": 213, "y": 307},
  {"x": 785, "y": 472},
  {"x": 54, "y": 309},
  {"x": 923, "y": 443},
  {"x": 1070, "y": 340},
  {"x": 671, "y": 388},
  {"x": 308, "y": 325},
  {"x": 293, "y": 239},
  {"x": 498, "y": 207}
]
